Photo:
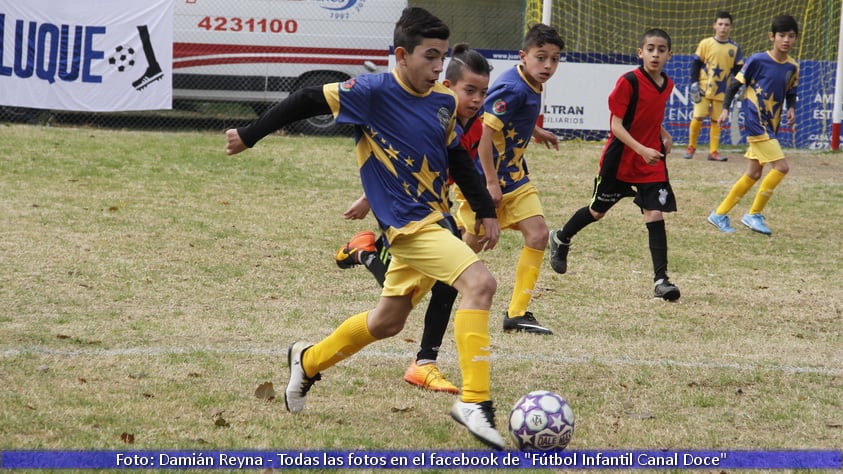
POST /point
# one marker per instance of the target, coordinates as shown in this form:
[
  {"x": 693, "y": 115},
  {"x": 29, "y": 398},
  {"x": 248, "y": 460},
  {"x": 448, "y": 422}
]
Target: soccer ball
[
  {"x": 123, "y": 58},
  {"x": 541, "y": 421}
]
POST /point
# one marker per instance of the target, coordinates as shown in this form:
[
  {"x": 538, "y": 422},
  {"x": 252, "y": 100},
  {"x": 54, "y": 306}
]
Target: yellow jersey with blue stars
[
  {"x": 402, "y": 141},
  {"x": 719, "y": 59},
  {"x": 511, "y": 109},
  {"x": 768, "y": 82}
]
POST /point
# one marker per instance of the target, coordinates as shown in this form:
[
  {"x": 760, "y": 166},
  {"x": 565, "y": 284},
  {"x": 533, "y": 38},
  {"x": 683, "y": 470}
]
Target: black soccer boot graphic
[{"x": 153, "y": 70}]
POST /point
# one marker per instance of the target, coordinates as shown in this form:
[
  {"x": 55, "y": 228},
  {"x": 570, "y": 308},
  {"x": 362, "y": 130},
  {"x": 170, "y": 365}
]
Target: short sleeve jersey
[
  {"x": 511, "y": 109},
  {"x": 402, "y": 141},
  {"x": 768, "y": 82},
  {"x": 641, "y": 105},
  {"x": 719, "y": 58}
]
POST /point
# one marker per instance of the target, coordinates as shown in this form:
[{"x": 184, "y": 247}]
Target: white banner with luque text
[{"x": 86, "y": 55}]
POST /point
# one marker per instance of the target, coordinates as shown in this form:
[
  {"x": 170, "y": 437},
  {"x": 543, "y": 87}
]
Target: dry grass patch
[{"x": 150, "y": 283}]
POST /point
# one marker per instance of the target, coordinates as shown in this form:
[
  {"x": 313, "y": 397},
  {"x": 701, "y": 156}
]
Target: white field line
[{"x": 556, "y": 358}]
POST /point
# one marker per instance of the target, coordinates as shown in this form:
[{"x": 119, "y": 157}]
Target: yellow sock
[
  {"x": 694, "y": 132},
  {"x": 765, "y": 191},
  {"x": 526, "y": 275},
  {"x": 714, "y": 139},
  {"x": 351, "y": 336},
  {"x": 735, "y": 194},
  {"x": 471, "y": 332}
]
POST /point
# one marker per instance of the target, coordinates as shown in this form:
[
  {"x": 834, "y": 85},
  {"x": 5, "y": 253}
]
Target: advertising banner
[{"x": 92, "y": 55}]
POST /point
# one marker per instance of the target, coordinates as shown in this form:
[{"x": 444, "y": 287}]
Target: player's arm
[
  {"x": 548, "y": 138},
  {"x": 731, "y": 91},
  {"x": 301, "y": 104},
  {"x": 650, "y": 155},
  {"x": 473, "y": 188},
  {"x": 487, "y": 162},
  {"x": 790, "y": 101},
  {"x": 696, "y": 67}
]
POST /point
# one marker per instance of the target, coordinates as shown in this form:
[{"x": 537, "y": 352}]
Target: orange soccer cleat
[{"x": 349, "y": 254}]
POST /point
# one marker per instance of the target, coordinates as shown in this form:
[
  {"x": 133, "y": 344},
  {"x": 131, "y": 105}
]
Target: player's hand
[
  {"x": 724, "y": 118},
  {"x": 652, "y": 156},
  {"x": 492, "y": 232},
  {"x": 495, "y": 192},
  {"x": 791, "y": 116},
  {"x": 548, "y": 138},
  {"x": 234, "y": 144},
  {"x": 358, "y": 209}
]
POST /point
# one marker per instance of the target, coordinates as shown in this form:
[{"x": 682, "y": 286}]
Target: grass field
[{"x": 150, "y": 284}]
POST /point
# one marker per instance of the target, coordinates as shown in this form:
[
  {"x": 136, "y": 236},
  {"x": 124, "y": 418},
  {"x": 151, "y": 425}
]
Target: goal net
[{"x": 608, "y": 31}]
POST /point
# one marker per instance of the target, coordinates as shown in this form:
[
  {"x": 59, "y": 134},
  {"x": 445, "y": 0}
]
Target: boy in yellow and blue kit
[
  {"x": 510, "y": 111},
  {"x": 407, "y": 147},
  {"x": 716, "y": 60},
  {"x": 770, "y": 78}
]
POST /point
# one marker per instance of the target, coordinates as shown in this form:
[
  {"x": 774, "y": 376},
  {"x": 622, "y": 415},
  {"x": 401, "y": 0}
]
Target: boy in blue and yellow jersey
[
  {"x": 468, "y": 76},
  {"x": 510, "y": 112},
  {"x": 634, "y": 160},
  {"x": 716, "y": 60},
  {"x": 770, "y": 78},
  {"x": 407, "y": 147}
]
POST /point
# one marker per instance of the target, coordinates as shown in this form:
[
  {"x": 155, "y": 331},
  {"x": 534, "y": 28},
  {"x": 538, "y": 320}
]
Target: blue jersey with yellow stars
[
  {"x": 767, "y": 82},
  {"x": 511, "y": 109},
  {"x": 402, "y": 140},
  {"x": 719, "y": 58}
]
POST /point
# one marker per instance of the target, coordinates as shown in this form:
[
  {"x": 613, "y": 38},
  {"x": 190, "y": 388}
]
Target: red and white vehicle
[{"x": 258, "y": 51}]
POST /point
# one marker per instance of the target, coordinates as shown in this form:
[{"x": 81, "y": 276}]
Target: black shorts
[{"x": 648, "y": 196}]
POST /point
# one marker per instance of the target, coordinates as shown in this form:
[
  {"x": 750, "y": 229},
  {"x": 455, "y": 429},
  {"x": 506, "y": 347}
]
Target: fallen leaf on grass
[
  {"x": 265, "y": 391},
  {"x": 220, "y": 422},
  {"x": 402, "y": 410},
  {"x": 128, "y": 438}
]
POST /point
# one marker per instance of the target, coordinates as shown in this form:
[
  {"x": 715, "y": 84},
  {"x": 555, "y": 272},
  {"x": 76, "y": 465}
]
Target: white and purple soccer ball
[{"x": 541, "y": 421}]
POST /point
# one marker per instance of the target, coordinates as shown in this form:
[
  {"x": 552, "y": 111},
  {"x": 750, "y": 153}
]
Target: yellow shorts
[
  {"x": 424, "y": 257},
  {"x": 764, "y": 151},
  {"x": 708, "y": 108},
  {"x": 515, "y": 207}
]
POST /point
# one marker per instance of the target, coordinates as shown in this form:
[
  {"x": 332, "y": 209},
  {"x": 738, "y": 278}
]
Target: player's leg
[
  {"x": 560, "y": 240},
  {"x": 438, "y": 254},
  {"x": 718, "y": 216},
  {"x": 474, "y": 409},
  {"x": 306, "y": 361},
  {"x": 768, "y": 151},
  {"x": 535, "y": 232},
  {"x": 364, "y": 249},
  {"x": 701, "y": 111},
  {"x": 424, "y": 372},
  {"x": 654, "y": 199},
  {"x": 715, "y": 132}
]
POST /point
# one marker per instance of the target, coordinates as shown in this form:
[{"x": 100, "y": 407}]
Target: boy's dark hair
[
  {"x": 540, "y": 35},
  {"x": 658, "y": 33},
  {"x": 783, "y": 24},
  {"x": 463, "y": 57},
  {"x": 722, "y": 14},
  {"x": 415, "y": 25}
]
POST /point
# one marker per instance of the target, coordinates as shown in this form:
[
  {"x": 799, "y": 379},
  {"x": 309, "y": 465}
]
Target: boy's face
[
  {"x": 783, "y": 42},
  {"x": 722, "y": 28},
  {"x": 654, "y": 54},
  {"x": 540, "y": 62},
  {"x": 471, "y": 89},
  {"x": 421, "y": 69}
]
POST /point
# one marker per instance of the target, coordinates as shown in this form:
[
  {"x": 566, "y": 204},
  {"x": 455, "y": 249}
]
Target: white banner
[
  {"x": 577, "y": 96},
  {"x": 86, "y": 55}
]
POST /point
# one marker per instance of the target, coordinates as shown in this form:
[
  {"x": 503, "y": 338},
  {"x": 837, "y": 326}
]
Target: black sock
[
  {"x": 442, "y": 298},
  {"x": 658, "y": 249},
  {"x": 377, "y": 262},
  {"x": 576, "y": 223}
]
